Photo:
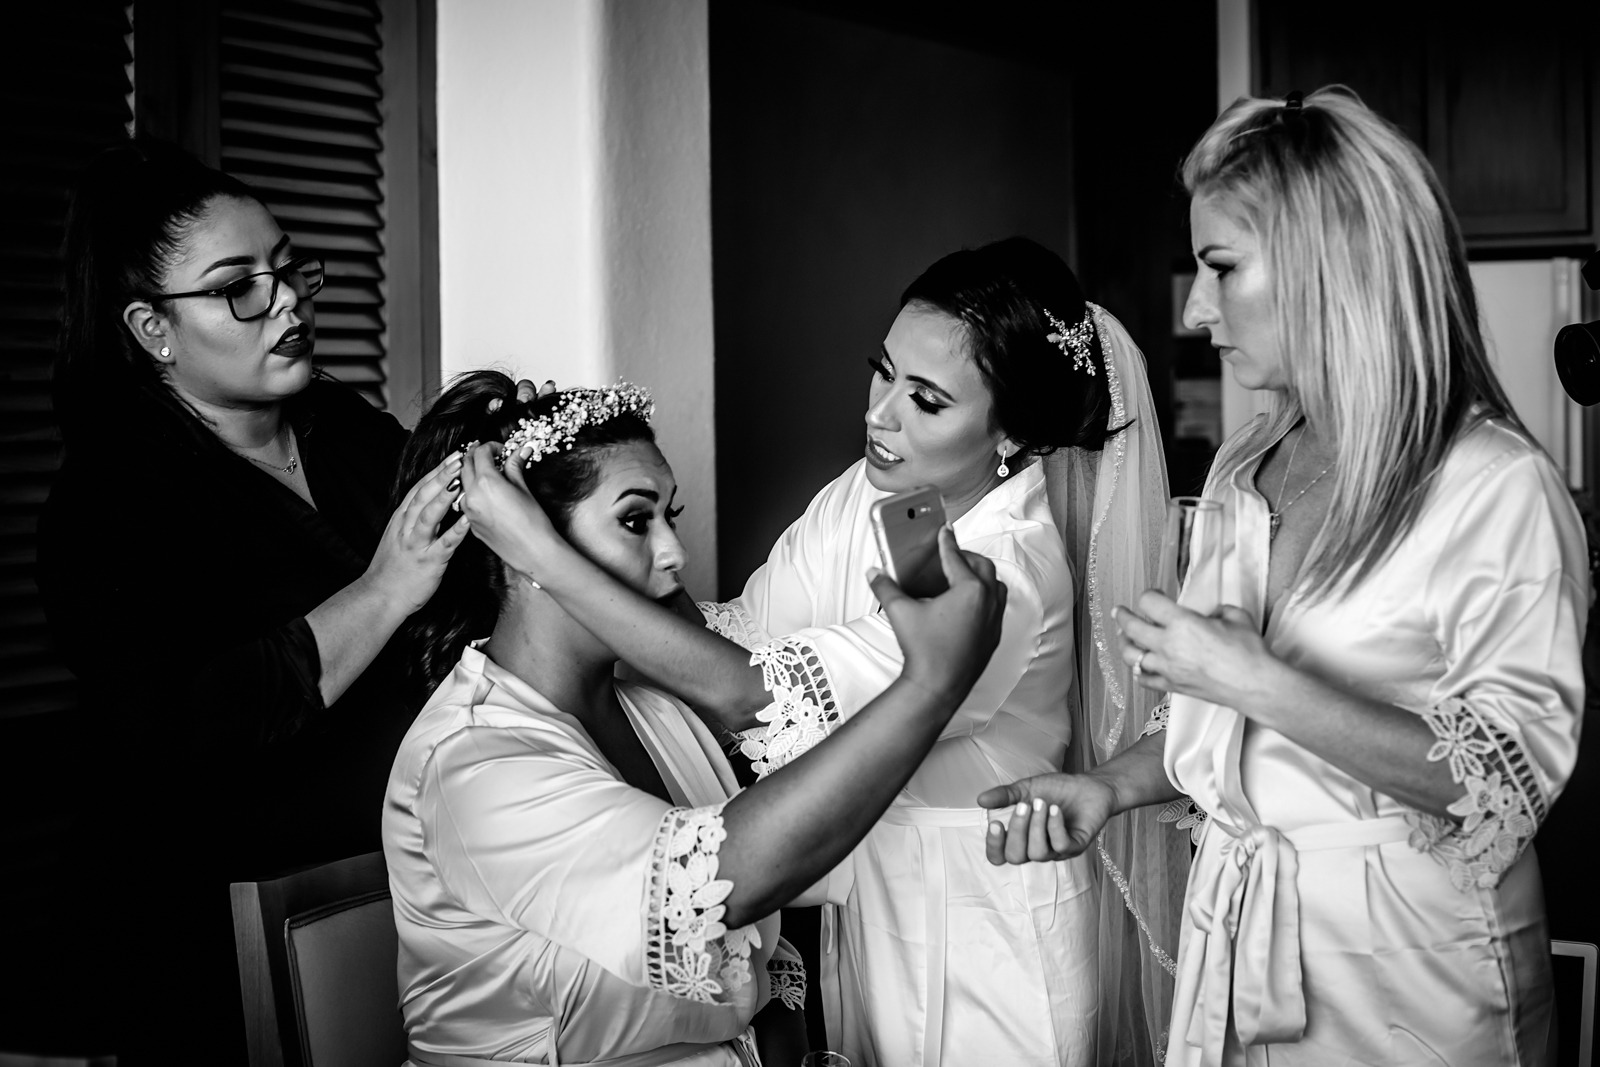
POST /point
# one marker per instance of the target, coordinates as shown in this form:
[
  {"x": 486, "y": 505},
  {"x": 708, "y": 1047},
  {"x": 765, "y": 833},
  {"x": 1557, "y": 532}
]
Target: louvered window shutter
[
  {"x": 290, "y": 98},
  {"x": 301, "y": 96},
  {"x": 66, "y": 97}
]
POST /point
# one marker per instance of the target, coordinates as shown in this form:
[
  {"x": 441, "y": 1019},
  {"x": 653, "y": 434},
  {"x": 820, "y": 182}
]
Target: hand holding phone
[
  {"x": 947, "y": 640},
  {"x": 906, "y": 526}
]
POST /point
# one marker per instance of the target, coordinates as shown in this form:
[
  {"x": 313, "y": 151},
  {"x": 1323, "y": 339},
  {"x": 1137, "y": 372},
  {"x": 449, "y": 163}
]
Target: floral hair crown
[
  {"x": 577, "y": 409},
  {"x": 1075, "y": 341}
]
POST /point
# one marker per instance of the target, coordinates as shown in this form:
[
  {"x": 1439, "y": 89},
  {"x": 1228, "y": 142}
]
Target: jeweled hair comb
[
  {"x": 1075, "y": 341},
  {"x": 577, "y": 409}
]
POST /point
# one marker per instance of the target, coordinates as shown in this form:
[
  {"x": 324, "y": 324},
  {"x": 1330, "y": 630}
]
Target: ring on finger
[{"x": 1138, "y": 664}]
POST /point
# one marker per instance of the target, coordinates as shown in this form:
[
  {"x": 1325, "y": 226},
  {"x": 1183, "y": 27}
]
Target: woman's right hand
[
  {"x": 1053, "y": 817},
  {"x": 412, "y": 554},
  {"x": 947, "y": 640}
]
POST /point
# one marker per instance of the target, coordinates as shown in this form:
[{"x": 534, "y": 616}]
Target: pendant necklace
[
  {"x": 288, "y": 468},
  {"x": 1276, "y": 517}
]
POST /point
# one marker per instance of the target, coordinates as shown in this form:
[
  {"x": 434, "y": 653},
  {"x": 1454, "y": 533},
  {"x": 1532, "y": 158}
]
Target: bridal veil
[{"x": 1110, "y": 506}]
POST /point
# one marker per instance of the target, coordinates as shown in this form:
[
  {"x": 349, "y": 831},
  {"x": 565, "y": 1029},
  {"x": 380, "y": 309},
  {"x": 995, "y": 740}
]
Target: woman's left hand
[
  {"x": 502, "y": 513},
  {"x": 1218, "y": 658}
]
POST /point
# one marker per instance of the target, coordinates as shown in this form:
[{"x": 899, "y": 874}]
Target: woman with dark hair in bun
[
  {"x": 221, "y": 567},
  {"x": 1027, "y": 407},
  {"x": 577, "y": 877}
]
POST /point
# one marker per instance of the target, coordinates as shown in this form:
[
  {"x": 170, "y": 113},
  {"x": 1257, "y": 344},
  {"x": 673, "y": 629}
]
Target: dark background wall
[
  {"x": 854, "y": 144},
  {"x": 1146, "y": 83},
  {"x": 846, "y": 158}
]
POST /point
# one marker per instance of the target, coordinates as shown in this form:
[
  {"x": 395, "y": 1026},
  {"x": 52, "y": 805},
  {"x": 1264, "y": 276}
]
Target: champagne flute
[
  {"x": 1191, "y": 548},
  {"x": 823, "y": 1058}
]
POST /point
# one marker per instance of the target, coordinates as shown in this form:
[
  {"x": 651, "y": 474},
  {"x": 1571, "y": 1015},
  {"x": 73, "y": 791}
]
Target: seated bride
[{"x": 576, "y": 877}]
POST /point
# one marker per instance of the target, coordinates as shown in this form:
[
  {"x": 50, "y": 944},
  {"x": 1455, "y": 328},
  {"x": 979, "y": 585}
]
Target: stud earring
[
  {"x": 165, "y": 351},
  {"x": 1004, "y": 470}
]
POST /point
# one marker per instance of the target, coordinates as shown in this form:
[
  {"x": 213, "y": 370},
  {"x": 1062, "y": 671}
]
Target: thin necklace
[
  {"x": 1276, "y": 517},
  {"x": 288, "y": 468}
]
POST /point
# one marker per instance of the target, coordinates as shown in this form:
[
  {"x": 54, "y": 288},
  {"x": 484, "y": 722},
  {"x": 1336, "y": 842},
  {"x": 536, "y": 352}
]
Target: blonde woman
[{"x": 1379, "y": 720}]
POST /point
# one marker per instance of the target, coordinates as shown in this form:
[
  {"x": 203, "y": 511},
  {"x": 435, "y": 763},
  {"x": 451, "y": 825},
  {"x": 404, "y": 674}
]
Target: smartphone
[{"x": 907, "y": 528}]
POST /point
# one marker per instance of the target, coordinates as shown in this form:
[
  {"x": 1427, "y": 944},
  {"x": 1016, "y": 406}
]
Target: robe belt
[
  {"x": 1244, "y": 949},
  {"x": 743, "y": 1047}
]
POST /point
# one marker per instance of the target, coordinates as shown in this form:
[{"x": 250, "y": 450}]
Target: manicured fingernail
[
  {"x": 995, "y": 829},
  {"x": 1038, "y": 803},
  {"x": 872, "y": 574},
  {"x": 453, "y": 486},
  {"x": 1022, "y": 807},
  {"x": 1055, "y": 810}
]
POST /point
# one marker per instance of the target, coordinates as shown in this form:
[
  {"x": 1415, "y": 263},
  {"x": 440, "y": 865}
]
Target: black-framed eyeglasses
[{"x": 251, "y": 297}]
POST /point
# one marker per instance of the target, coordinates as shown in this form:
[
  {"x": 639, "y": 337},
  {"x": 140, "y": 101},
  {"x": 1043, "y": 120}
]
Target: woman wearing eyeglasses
[{"x": 220, "y": 565}]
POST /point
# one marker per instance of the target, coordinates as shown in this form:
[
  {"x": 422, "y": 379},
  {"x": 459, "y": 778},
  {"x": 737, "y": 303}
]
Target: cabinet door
[
  {"x": 1508, "y": 131},
  {"x": 1507, "y": 110},
  {"x": 1308, "y": 46}
]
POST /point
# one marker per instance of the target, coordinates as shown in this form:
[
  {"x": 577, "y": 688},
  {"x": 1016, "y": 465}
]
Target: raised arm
[
  {"x": 796, "y": 824},
  {"x": 598, "y": 852},
  {"x": 124, "y": 628},
  {"x": 1224, "y": 660},
  {"x": 682, "y": 656},
  {"x": 352, "y": 626}
]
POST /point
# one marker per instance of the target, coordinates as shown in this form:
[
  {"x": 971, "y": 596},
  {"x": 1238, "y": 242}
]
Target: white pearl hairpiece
[
  {"x": 1073, "y": 341},
  {"x": 577, "y": 409}
]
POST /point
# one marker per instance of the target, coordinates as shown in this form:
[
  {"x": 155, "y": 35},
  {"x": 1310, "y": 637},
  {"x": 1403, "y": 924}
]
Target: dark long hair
[
  {"x": 999, "y": 294},
  {"x": 468, "y": 600},
  {"x": 130, "y": 216}
]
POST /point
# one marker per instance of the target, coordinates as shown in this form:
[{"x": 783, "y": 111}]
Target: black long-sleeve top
[{"x": 177, "y": 577}]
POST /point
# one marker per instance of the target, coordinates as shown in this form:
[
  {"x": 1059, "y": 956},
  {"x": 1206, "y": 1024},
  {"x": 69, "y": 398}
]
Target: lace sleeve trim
[
  {"x": 1158, "y": 718},
  {"x": 788, "y": 980},
  {"x": 1185, "y": 814},
  {"x": 1501, "y": 809},
  {"x": 802, "y": 711},
  {"x": 733, "y": 622},
  {"x": 689, "y": 953}
]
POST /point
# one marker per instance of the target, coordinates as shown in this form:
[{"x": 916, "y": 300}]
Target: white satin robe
[
  {"x": 934, "y": 956},
  {"x": 550, "y": 912},
  {"x": 1367, "y": 932}
]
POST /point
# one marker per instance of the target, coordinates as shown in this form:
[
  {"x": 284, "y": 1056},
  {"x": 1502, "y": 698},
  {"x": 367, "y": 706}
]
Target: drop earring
[{"x": 1004, "y": 470}]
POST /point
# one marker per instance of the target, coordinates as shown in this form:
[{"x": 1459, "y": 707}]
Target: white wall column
[
  {"x": 520, "y": 271},
  {"x": 575, "y": 211}
]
